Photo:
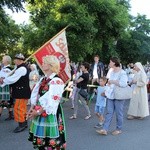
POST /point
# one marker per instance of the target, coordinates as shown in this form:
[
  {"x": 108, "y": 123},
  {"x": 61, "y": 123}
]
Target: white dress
[{"x": 139, "y": 102}]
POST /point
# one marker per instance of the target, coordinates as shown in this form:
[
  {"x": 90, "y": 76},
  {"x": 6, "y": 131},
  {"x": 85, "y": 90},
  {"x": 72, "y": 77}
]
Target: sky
[
  {"x": 141, "y": 7},
  {"x": 138, "y": 6}
]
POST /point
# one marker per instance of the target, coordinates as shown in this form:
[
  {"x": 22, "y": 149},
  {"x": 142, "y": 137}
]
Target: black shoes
[
  {"x": 22, "y": 126},
  {"x": 19, "y": 129}
]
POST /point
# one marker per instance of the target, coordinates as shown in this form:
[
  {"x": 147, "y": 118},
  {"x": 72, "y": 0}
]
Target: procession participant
[
  {"x": 5, "y": 91},
  {"x": 138, "y": 106},
  {"x": 19, "y": 80},
  {"x": 33, "y": 77},
  {"x": 47, "y": 130},
  {"x": 96, "y": 70}
]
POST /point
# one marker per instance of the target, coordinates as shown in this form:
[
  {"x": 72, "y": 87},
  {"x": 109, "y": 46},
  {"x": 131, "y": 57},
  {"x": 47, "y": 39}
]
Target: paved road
[{"x": 82, "y": 136}]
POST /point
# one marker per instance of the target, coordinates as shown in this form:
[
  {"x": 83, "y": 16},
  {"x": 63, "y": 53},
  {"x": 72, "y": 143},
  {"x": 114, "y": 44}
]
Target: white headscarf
[
  {"x": 139, "y": 65},
  {"x": 34, "y": 66}
]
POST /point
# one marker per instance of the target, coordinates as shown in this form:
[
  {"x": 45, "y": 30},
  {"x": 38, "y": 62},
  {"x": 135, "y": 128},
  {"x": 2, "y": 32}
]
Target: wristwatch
[{"x": 38, "y": 112}]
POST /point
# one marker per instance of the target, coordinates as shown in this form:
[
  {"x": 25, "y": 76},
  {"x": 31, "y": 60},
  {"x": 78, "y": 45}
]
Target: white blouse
[
  {"x": 51, "y": 99},
  {"x": 4, "y": 72},
  {"x": 18, "y": 73},
  {"x": 122, "y": 78}
]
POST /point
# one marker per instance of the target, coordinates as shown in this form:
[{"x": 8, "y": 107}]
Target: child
[{"x": 100, "y": 101}]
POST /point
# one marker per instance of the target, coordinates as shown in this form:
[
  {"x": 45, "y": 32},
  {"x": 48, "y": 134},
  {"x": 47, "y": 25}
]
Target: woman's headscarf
[
  {"x": 34, "y": 66},
  {"x": 139, "y": 65}
]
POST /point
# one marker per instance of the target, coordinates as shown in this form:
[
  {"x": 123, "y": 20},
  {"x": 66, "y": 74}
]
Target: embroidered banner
[{"x": 56, "y": 46}]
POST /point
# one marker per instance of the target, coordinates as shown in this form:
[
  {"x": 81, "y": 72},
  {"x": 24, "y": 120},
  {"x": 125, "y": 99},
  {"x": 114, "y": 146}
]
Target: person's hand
[
  {"x": 32, "y": 114},
  {"x": 95, "y": 90},
  {"x": 29, "y": 113},
  {"x": 103, "y": 94},
  {"x": 134, "y": 81},
  {"x": 1, "y": 80}
]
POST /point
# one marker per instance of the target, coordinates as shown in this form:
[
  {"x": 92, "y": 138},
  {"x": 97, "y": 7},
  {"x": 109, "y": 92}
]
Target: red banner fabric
[{"x": 56, "y": 46}]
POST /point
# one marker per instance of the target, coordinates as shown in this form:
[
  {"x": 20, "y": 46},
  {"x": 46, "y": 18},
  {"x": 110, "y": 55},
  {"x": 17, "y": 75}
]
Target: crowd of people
[
  {"x": 105, "y": 83},
  {"x": 23, "y": 85}
]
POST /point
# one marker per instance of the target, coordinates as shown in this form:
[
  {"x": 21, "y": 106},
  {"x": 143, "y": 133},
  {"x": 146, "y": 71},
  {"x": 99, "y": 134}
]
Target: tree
[
  {"x": 9, "y": 34},
  {"x": 93, "y": 25},
  {"x": 9, "y": 31},
  {"x": 136, "y": 46}
]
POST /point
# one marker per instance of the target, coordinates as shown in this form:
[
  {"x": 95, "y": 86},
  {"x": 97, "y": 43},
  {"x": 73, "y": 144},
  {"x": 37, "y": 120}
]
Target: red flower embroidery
[
  {"x": 55, "y": 97},
  {"x": 44, "y": 114},
  {"x": 37, "y": 107},
  {"x": 58, "y": 81},
  {"x": 46, "y": 88},
  {"x": 64, "y": 145},
  {"x": 52, "y": 142},
  {"x": 44, "y": 85},
  {"x": 61, "y": 127},
  {"x": 52, "y": 82},
  {"x": 39, "y": 141}
]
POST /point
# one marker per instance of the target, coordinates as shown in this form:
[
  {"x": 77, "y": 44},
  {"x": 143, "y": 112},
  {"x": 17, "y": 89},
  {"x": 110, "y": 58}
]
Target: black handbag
[{"x": 83, "y": 93}]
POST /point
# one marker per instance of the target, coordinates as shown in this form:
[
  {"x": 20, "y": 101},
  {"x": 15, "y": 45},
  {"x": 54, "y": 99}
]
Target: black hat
[{"x": 19, "y": 56}]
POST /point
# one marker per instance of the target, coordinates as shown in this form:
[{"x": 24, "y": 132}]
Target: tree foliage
[
  {"x": 9, "y": 34},
  {"x": 93, "y": 25},
  {"x": 136, "y": 46}
]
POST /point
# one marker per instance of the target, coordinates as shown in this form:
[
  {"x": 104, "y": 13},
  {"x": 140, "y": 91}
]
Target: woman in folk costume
[
  {"x": 5, "y": 91},
  {"x": 138, "y": 107},
  {"x": 47, "y": 130}
]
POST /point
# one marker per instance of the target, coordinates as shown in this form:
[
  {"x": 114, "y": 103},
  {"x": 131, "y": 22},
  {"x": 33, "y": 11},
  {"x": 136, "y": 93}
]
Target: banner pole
[{"x": 47, "y": 42}]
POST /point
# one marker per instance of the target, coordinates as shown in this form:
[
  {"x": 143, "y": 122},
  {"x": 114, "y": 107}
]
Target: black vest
[{"x": 21, "y": 88}]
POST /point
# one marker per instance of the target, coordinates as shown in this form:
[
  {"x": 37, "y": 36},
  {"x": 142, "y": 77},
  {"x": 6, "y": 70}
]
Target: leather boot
[
  {"x": 22, "y": 126},
  {"x": 26, "y": 124}
]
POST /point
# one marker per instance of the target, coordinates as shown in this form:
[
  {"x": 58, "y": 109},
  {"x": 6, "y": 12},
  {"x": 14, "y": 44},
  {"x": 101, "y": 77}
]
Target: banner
[{"x": 56, "y": 46}]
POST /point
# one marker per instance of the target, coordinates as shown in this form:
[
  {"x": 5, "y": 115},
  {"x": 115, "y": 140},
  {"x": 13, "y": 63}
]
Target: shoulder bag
[
  {"x": 83, "y": 93},
  {"x": 122, "y": 93}
]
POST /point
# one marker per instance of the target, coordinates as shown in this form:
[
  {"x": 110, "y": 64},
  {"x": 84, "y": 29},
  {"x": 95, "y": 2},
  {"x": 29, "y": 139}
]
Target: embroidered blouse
[{"x": 52, "y": 95}]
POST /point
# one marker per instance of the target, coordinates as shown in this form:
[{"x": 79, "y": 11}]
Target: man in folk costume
[{"x": 20, "y": 91}]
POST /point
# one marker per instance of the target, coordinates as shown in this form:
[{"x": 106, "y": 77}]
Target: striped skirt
[
  {"x": 4, "y": 93},
  {"x": 45, "y": 126},
  {"x": 48, "y": 131}
]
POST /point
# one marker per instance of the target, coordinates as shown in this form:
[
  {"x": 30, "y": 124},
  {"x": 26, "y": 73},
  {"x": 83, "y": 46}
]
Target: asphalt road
[{"x": 81, "y": 133}]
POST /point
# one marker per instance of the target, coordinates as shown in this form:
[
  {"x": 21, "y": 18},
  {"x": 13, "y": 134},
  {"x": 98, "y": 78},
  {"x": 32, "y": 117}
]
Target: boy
[{"x": 100, "y": 101}]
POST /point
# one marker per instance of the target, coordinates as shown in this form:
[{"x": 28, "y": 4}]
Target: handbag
[
  {"x": 122, "y": 93},
  {"x": 83, "y": 93}
]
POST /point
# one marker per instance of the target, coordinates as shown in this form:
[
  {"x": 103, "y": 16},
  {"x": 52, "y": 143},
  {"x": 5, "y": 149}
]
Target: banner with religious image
[{"x": 56, "y": 46}]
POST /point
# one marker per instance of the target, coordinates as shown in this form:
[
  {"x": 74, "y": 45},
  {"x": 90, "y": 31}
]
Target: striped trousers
[{"x": 20, "y": 110}]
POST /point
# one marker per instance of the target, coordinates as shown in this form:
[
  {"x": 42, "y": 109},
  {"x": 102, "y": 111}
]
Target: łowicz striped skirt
[
  {"x": 45, "y": 127},
  {"x": 49, "y": 131},
  {"x": 4, "y": 93}
]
